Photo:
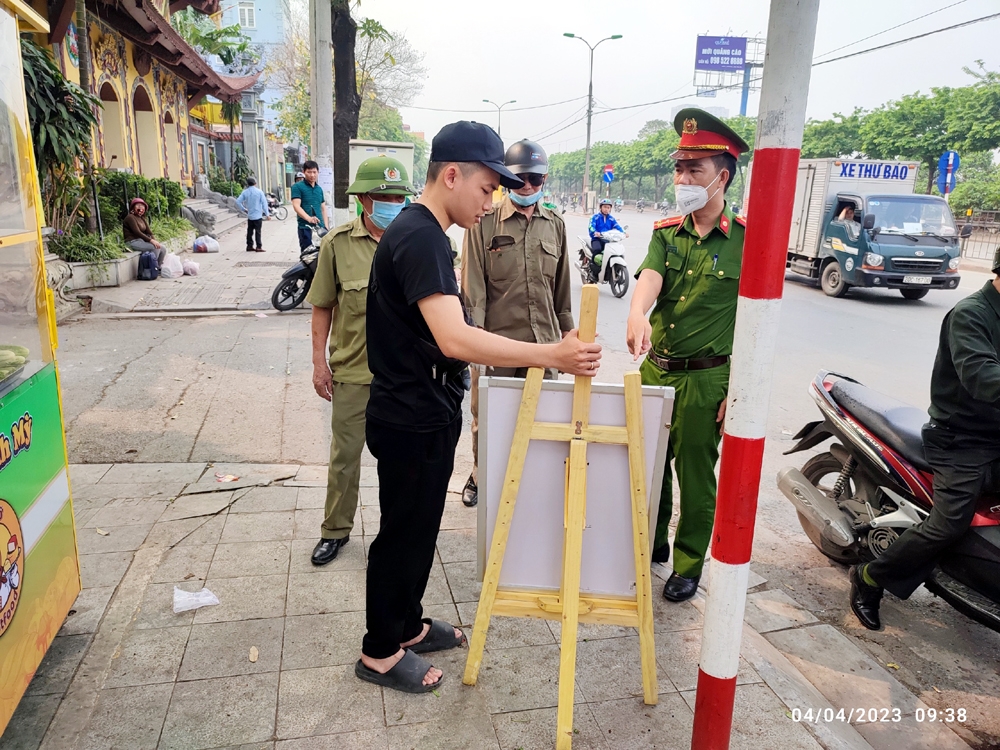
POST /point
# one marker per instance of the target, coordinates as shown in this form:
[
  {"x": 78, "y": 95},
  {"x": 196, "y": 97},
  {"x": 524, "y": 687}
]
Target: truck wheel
[
  {"x": 832, "y": 280},
  {"x": 914, "y": 293}
]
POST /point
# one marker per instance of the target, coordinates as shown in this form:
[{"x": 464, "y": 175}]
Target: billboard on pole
[{"x": 726, "y": 54}]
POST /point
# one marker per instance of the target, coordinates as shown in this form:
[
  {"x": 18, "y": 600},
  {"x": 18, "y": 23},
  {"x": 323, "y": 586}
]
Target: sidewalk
[{"x": 126, "y": 672}]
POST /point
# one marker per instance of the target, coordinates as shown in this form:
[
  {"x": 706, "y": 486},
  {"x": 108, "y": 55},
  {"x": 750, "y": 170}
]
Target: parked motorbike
[
  {"x": 295, "y": 282},
  {"x": 609, "y": 266},
  {"x": 640, "y": 205},
  {"x": 278, "y": 210},
  {"x": 855, "y": 500}
]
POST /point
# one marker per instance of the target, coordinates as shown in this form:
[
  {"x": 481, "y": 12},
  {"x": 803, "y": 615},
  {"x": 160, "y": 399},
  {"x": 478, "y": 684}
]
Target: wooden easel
[{"x": 569, "y": 607}]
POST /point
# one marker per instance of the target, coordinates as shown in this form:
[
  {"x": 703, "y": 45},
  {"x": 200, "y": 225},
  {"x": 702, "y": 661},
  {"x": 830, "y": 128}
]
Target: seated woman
[{"x": 138, "y": 235}]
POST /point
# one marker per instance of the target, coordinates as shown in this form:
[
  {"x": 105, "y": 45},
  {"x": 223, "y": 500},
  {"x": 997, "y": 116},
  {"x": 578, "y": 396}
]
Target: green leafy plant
[
  {"x": 79, "y": 246},
  {"x": 169, "y": 228},
  {"x": 163, "y": 196},
  {"x": 219, "y": 182},
  {"x": 241, "y": 168}
]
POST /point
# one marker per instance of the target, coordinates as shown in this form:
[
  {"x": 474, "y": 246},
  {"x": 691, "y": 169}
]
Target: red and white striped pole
[{"x": 790, "y": 37}]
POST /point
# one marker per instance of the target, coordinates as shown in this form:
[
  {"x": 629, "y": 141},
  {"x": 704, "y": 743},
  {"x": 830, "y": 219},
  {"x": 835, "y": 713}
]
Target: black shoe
[
  {"x": 660, "y": 554},
  {"x": 679, "y": 588},
  {"x": 865, "y": 599},
  {"x": 470, "y": 494},
  {"x": 326, "y": 550}
]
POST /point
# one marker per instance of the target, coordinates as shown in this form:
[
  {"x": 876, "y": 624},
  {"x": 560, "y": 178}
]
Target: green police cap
[{"x": 381, "y": 175}]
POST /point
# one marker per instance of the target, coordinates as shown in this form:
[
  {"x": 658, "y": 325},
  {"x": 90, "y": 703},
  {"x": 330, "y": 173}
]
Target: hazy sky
[{"x": 478, "y": 50}]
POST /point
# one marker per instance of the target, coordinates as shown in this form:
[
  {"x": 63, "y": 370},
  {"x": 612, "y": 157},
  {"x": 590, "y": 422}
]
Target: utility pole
[
  {"x": 321, "y": 91},
  {"x": 499, "y": 107},
  {"x": 590, "y": 107}
]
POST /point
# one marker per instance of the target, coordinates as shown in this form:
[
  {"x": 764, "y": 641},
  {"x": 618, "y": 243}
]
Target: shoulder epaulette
[
  {"x": 668, "y": 222},
  {"x": 741, "y": 220}
]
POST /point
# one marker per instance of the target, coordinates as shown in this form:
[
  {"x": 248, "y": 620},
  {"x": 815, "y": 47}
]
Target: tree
[
  {"x": 421, "y": 151},
  {"x": 976, "y": 110},
  {"x": 231, "y": 113},
  {"x": 838, "y": 136},
  {"x": 236, "y": 50},
  {"x": 347, "y": 102},
  {"x": 652, "y": 127},
  {"x": 389, "y": 69},
  {"x": 294, "y": 118}
]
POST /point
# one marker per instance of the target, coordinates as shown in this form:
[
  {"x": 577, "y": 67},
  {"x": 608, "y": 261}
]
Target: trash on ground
[
  {"x": 219, "y": 477},
  {"x": 172, "y": 267},
  {"x": 260, "y": 315},
  {"x": 254, "y": 653},
  {"x": 188, "y": 600},
  {"x": 190, "y": 267},
  {"x": 205, "y": 244},
  {"x": 892, "y": 664},
  {"x": 102, "y": 532}
]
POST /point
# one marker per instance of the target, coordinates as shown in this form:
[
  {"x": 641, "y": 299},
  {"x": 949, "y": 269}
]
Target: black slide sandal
[
  {"x": 407, "y": 675},
  {"x": 440, "y": 637}
]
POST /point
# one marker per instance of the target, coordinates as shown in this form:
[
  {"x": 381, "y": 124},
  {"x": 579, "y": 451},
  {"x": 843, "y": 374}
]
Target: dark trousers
[
  {"x": 253, "y": 230},
  {"x": 305, "y": 237},
  {"x": 414, "y": 469},
  {"x": 964, "y": 467}
]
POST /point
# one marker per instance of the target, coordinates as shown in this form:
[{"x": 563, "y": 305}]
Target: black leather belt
[{"x": 670, "y": 364}]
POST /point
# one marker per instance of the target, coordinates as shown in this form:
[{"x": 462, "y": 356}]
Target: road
[{"x": 238, "y": 388}]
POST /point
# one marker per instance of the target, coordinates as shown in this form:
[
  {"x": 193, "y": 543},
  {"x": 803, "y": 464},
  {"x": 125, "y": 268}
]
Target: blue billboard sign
[{"x": 726, "y": 54}]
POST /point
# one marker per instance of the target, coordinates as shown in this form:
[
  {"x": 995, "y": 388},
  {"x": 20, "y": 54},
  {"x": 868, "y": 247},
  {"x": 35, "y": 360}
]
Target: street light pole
[
  {"x": 499, "y": 107},
  {"x": 590, "y": 106}
]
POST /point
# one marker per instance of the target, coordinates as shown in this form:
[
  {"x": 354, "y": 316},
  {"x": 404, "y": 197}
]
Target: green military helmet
[{"x": 381, "y": 175}]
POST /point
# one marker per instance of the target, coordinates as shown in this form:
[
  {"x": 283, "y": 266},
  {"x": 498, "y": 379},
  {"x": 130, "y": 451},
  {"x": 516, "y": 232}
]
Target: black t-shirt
[{"x": 413, "y": 261}]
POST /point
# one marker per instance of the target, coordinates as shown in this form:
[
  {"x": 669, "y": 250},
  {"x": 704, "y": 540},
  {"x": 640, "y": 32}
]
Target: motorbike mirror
[
  {"x": 869, "y": 221},
  {"x": 966, "y": 231}
]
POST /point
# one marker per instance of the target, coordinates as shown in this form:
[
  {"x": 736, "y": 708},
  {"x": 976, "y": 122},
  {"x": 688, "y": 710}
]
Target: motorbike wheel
[
  {"x": 826, "y": 466},
  {"x": 832, "y": 280},
  {"x": 913, "y": 293},
  {"x": 281, "y": 213},
  {"x": 619, "y": 281},
  {"x": 289, "y": 294}
]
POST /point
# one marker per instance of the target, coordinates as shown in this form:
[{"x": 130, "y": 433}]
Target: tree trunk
[
  {"x": 86, "y": 83},
  {"x": 347, "y": 106},
  {"x": 232, "y": 163},
  {"x": 931, "y": 174}
]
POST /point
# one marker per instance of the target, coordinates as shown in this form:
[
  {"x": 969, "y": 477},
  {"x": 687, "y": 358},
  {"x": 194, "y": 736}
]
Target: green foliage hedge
[
  {"x": 163, "y": 196},
  {"x": 79, "y": 246}
]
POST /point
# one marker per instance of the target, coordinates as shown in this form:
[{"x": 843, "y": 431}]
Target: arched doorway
[
  {"x": 147, "y": 133},
  {"x": 172, "y": 139},
  {"x": 112, "y": 132}
]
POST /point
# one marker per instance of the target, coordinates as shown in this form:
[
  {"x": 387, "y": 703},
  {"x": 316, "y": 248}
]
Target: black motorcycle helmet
[
  {"x": 996, "y": 261},
  {"x": 526, "y": 157}
]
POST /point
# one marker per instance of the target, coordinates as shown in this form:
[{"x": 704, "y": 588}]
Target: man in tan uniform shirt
[
  {"x": 339, "y": 296},
  {"x": 516, "y": 274}
]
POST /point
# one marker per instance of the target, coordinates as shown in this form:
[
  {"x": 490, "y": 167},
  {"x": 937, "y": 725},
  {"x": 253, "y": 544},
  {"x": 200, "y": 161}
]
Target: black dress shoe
[
  {"x": 679, "y": 588},
  {"x": 327, "y": 549},
  {"x": 865, "y": 599},
  {"x": 470, "y": 494},
  {"x": 660, "y": 554}
]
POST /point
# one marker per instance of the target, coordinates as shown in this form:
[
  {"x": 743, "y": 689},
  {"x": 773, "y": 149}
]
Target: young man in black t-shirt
[{"x": 419, "y": 340}]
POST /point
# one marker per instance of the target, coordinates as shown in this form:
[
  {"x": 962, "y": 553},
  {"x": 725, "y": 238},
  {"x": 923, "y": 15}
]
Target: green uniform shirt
[
  {"x": 695, "y": 314},
  {"x": 341, "y": 283},
  {"x": 312, "y": 201},
  {"x": 965, "y": 381}
]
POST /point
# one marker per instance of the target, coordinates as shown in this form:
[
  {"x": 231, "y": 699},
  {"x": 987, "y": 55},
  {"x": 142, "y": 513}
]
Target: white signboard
[{"x": 533, "y": 559}]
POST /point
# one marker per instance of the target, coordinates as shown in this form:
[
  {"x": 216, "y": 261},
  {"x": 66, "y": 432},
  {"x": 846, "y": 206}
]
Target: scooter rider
[
  {"x": 600, "y": 224},
  {"x": 961, "y": 443}
]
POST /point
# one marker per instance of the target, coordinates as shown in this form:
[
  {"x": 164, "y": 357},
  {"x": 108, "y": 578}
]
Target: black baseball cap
[{"x": 473, "y": 141}]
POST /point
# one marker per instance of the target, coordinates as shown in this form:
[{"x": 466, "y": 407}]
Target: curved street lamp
[
  {"x": 499, "y": 107},
  {"x": 590, "y": 104}
]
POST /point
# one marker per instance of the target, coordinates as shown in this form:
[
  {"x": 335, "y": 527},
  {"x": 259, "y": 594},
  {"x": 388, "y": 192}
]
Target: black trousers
[
  {"x": 253, "y": 228},
  {"x": 414, "y": 469},
  {"x": 964, "y": 466}
]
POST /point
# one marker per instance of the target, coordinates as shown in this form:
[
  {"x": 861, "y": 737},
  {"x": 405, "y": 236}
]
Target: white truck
[{"x": 857, "y": 222}]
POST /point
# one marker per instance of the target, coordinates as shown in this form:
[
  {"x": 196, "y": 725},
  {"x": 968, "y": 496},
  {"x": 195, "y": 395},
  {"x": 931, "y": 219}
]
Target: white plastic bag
[
  {"x": 187, "y": 600},
  {"x": 206, "y": 244},
  {"x": 190, "y": 268},
  {"x": 171, "y": 268}
]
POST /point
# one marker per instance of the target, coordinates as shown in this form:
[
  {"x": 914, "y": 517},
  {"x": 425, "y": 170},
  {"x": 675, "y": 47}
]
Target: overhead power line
[
  {"x": 512, "y": 109},
  {"x": 891, "y": 28}
]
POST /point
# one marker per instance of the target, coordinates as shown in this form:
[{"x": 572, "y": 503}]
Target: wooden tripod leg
[
  {"x": 640, "y": 534},
  {"x": 505, "y": 513}
]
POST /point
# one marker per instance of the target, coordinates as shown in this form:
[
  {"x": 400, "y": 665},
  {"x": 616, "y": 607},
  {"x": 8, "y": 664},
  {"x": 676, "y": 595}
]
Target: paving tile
[
  {"x": 257, "y": 527},
  {"x": 263, "y": 473},
  {"x": 59, "y": 665},
  {"x": 136, "y": 473},
  {"x": 198, "y": 506},
  {"x": 678, "y": 654},
  {"x": 87, "y": 611},
  {"x": 912, "y": 735},
  {"x": 104, "y": 568},
  {"x": 371, "y": 517},
  {"x": 589, "y": 631},
  {"x": 246, "y": 598},
  {"x": 146, "y": 657},
  {"x": 457, "y": 516},
  {"x": 314, "y": 473},
  {"x": 156, "y": 610},
  {"x": 222, "y": 649},
  {"x": 144, "y": 705},
  {"x": 519, "y": 679},
  {"x": 250, "y": 558},
  {"x": 369, "y": 476},
  {"x": 220, "y": 712},
  {"x": 308, "y": 524},
  {"x": 760, "y": 720},
  {"x": 368, "y": 494},
  {"x": 369, "y": 739},
  {"x": 437, "y": 591},
  {"x": 260, "y": 499},
  {"x": 462, "y": 581},
  {"x": 128, "y": 512},
  {"x": 187, "y": 532},
  {"x": 611, "y": 668},
  {"x": 322, "y": 640},
  {"x": 311, "y": 497},
  {"x": 29, "y": 723},
  {"x": 775, "y": 610},
  {"x": 349, "y": 557},
  {"x": 629, "y": 724},
  {"x": 454, "y": 701},
  {"x": 321, "y": 593},
  {"x": 118, "y": 539},
  {"x": 104, "y": 492},
  {"x": 457, "y": 545},
  {"x": 326, "y": 700},
  {"x": 508, "y": 632},
  {"x": 669, "y": 617},
  {"x": 184, "y": 563},
  {"x": 80, "y": 474},
  {"x": 537, "y": 729}
]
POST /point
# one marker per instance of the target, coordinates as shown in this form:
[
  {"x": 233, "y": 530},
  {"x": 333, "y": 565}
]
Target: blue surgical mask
[
  {"x": 526, "y": 200},
  {"x": 384, "y": 212}
]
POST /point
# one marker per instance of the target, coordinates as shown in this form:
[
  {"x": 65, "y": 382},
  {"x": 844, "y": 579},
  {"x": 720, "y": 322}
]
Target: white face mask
[{"x": 693, "y": 197}]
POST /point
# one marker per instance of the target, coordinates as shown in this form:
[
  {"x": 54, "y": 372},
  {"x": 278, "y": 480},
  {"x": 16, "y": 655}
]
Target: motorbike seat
[{"x": 895, "y": 422}]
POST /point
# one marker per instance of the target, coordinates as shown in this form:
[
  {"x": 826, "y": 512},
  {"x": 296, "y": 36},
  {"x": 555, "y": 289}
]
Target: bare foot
[
  {"x": 384, "y": 665},
  {"x": 423, "y": 634}
]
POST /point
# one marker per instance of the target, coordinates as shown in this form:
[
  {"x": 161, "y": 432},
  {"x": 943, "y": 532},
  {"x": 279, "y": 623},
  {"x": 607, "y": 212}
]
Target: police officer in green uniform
[
  {"x": 339, "y": 295},
  {"x": 691, "y": 273}
]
